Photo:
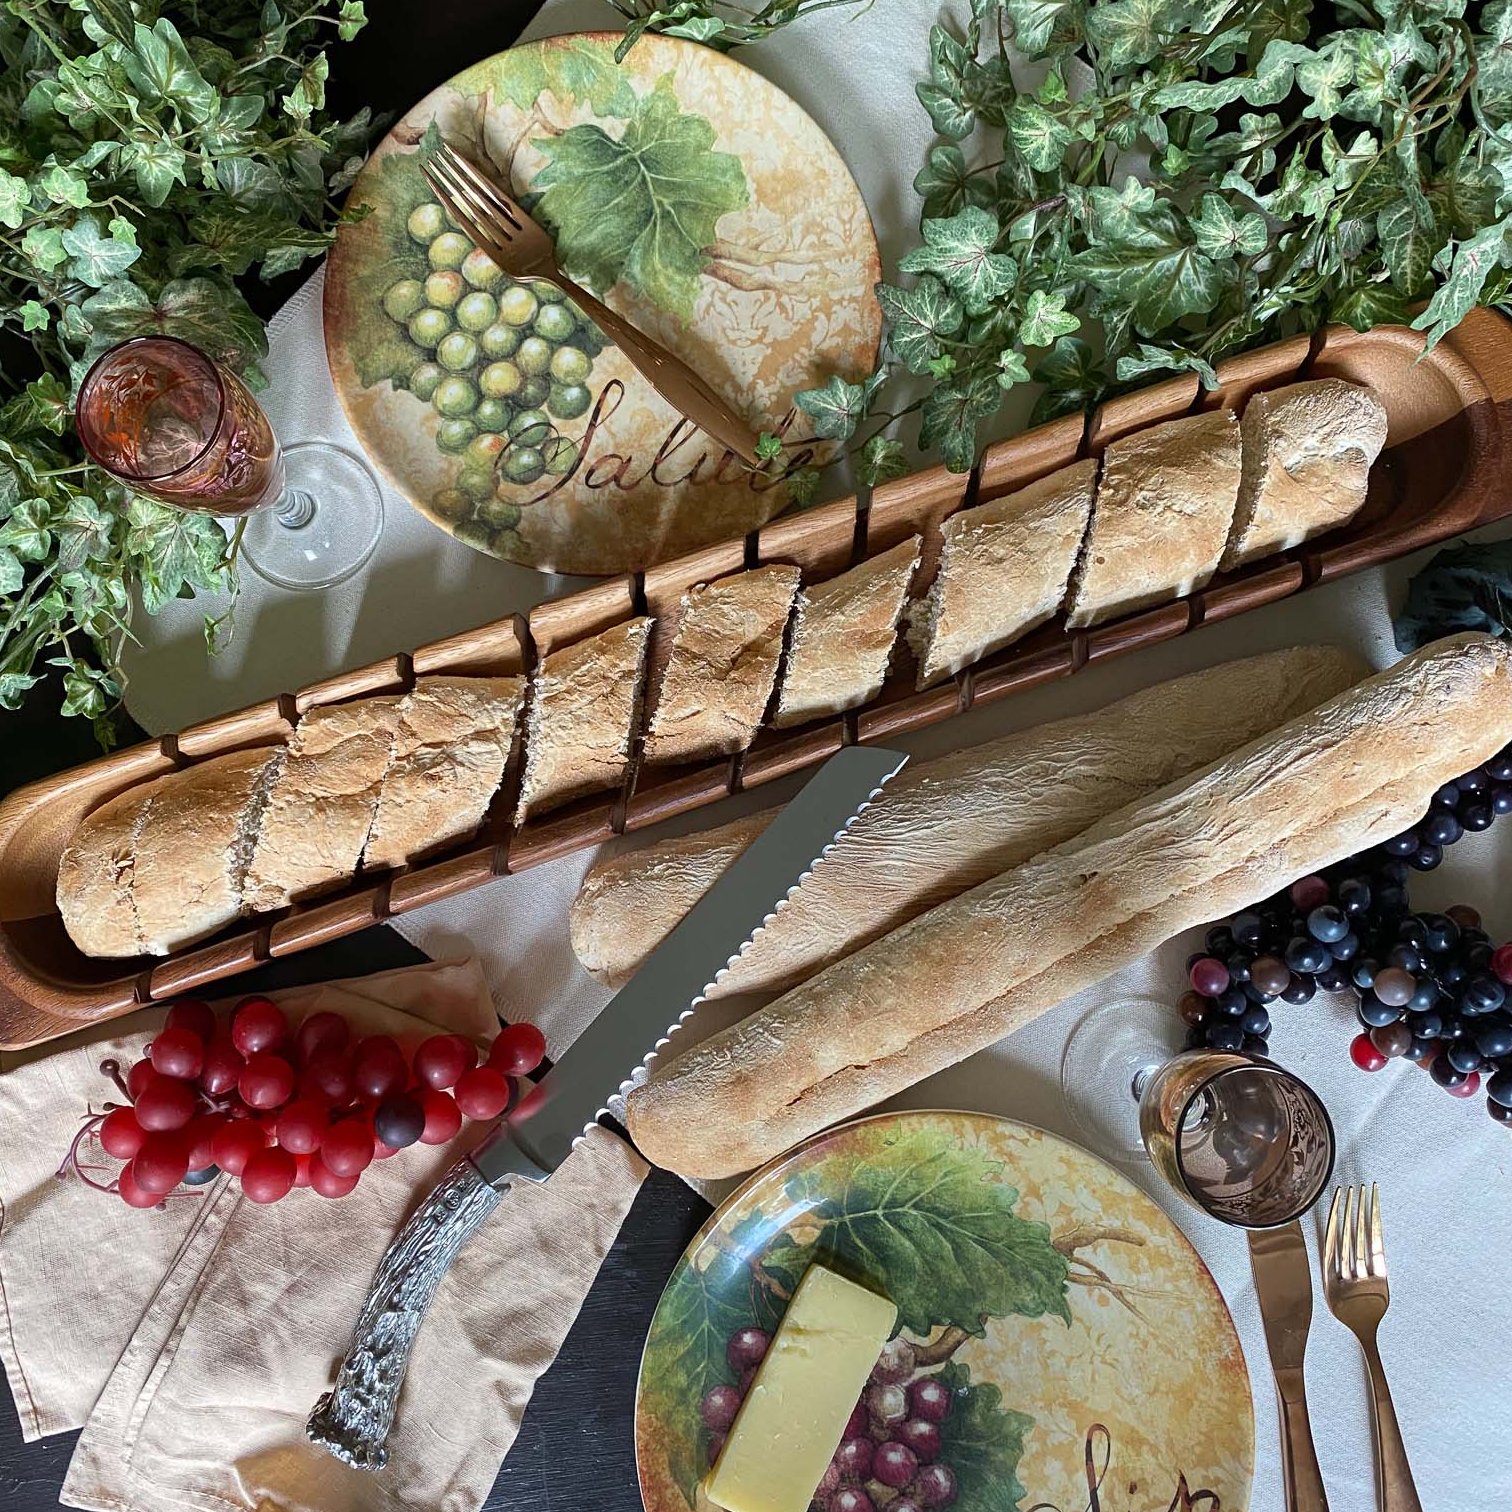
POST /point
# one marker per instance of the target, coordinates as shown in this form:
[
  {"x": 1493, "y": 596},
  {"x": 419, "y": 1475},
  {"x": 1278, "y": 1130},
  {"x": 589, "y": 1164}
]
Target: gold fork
[
  {"x": 1354, "y": 1282},
  {"x": 517, "y": 244}
]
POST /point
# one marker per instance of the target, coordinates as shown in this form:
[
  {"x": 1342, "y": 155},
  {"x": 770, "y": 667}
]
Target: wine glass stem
[{"x": 295, "y": 509}]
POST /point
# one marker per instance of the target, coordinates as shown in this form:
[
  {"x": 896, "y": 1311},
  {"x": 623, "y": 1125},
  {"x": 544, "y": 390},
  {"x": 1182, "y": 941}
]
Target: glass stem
[{"x": 295, "y": 509}]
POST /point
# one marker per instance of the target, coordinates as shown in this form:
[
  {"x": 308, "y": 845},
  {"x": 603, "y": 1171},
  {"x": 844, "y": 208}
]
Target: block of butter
[{"x": 790, "y": 1423}]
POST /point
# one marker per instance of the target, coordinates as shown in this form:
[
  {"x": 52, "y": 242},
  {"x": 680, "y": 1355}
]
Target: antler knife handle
[{"x": 352, "y": 1420}]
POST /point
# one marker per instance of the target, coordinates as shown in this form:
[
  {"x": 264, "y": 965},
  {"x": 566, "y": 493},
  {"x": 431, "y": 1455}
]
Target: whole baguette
[
  {"x": 951, "y": 823},
  {"x": 1348, "y": 775}
]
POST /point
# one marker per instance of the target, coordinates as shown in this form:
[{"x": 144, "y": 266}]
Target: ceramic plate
[
  {"x": 1088, "y": 1356},
  {"x": 720, "y": 219}
]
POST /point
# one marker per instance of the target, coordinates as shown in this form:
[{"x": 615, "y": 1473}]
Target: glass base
[
  {"x": 1110, "y": 1055},
  {"x": 324, "y": 527}
]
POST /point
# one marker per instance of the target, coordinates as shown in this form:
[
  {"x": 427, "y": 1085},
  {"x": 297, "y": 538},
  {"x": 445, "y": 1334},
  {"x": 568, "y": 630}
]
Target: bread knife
[
  {"x": 1283, "y": 1282},
  {"x": 353, "y": 1419}
]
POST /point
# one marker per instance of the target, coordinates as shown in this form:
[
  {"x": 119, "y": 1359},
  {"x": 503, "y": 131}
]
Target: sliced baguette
[
  {"x": 951, "y": 823},
  {"x": 722, "y": 665},
  {"x": 450, "y": 746},
  {"x": 1004, "y": 568},
  {"x": 954, "y": 980},
  {"x": 581, "y": 718},
  {"x": 1164, "y": 504},
  {"x": 322, "y": 802},
  {"x": 843, "y": 635},
  {"x": 1307, "y": 451}
]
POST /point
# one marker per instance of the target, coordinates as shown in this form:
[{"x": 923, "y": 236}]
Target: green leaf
[
  {"x": 959, "y": 251},
  {"x": 85, "y": 533},
  {"x": 15, "y": 196},
  {"x": 917, "y": 318},
  {"x": 1143, "y": 256},
  {"x": 1220, "y": 233},
  {"x": 87, "y": 691},
  {"x": 158, "y": 165},
  {"x": 1045, "y": 319},
  {"x": 802, "y": 486},
  {"x": 945, "y": 95},
  {"x": 1462, "y": 588},
  {"x": 1071, "y": 378},
  {"x": 950, "y": 415},
  {"x": 43, "y": 247},
  {"x": 351, "y": 17},
  {"x": 1130, "y": 32},
  {"x": 1147, "y": 358},
  {"x": 1011, "y": 368},
  {"x": 881, "y": 461},
  {"x": 205, "y": 312},
  {"x": 1464, "y": 196},
  {"x": 41, "y": 405},
  {"x": 159, "y": 65},
  {"x": 1493, "y": 62},
  {"x": 1040, "y": 138},
  {"x": 1472, "y": 263},
  {"x": 839, "y": 407},
  {"x": 946, "y": 185},
  {"x": 34, "y": 316},
  {"x": 113, "y": 17},
  {"x": 93, "y": 257},
  {"x": 173, "y": 548},
  {"x": 982, "y": 1442},
  {"x": 1037, "y": 24},
  {"x": 12, "y": 576},
  {"x": 576, "y": 69},
  {"x": 308, "y": 95},
  {"x": 13, "y": 685},
  {"x": 644, "y": 208},
  {"x": 26, "y": 532},
  {"x": 1407, "y": 244},
  {"x": 768, "y": 447},
  {"x": 1269, "y": 83},
  {"x": 63, "y": 186},
  {"x": 1324, "y": 77}
]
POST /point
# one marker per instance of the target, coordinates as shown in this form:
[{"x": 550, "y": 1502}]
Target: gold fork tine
[
  {"x": 1346, "y": 1237},
  {"x": 1362, "y": 1237},
  {"x": 492, "y": 193},
  {"x": 1377, "y": 1246},
  {"x": 454, "y": 207},
  {"x": 1331, "y": 1239}
]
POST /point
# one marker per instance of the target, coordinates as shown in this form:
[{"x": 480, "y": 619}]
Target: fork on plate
[
  {"x": 1354, "y": 1282},
  {"x": 498, "y": 225}
]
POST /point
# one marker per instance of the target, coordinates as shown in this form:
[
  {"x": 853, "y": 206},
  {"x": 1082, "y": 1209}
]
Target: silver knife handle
[
  {"x": 1300, "y": 1475},
  {"x": 352, "y": 1420}
]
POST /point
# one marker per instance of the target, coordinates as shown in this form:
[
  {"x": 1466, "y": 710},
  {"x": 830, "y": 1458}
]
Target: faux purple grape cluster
[{"x": 1428, "y": 987}]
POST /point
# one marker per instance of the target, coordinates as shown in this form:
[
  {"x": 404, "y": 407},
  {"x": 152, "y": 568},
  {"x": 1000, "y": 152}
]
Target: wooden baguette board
[{"x": 1441, "y": 474}]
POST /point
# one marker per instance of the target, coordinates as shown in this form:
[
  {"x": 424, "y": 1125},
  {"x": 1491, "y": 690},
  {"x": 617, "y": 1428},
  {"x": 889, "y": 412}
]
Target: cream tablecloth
[{"x": 1445, "y": 1168}]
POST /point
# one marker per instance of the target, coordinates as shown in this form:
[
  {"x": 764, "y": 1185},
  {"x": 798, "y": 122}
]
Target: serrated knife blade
[
  {"x": 638, "y": 1021},
  {"x": 1283, "y": 1284}
]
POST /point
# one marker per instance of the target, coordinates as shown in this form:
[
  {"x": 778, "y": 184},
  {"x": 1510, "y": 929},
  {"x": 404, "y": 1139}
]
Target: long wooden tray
[{"x": 1443, "y": 472}]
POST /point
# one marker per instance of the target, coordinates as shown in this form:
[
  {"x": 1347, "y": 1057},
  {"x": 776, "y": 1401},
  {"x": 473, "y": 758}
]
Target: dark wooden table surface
[{"x": 575, "y": 1446}]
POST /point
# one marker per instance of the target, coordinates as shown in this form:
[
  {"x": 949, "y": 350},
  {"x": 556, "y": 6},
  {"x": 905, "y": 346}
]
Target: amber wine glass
[{"x": 171, "y": 423}]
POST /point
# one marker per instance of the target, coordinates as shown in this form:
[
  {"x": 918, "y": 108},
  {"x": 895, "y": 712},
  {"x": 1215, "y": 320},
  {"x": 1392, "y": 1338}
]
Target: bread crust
[
  {"x": 94, "y": 888},
  {"x": 960, "y": 977},
  {"x": 844, "y": 630},
  {"x": 950, "y": 823},
  {"x": 193, "y": 845},
  {"x": 1004, "y": 569},
  {"x": 581, "y": 719},
  {"x": 322, "y": 802},
  {"x": 722, "y": 665},
  {"x": 451, "y": 744},
  {"x": 1161, "y": 518},
  {"x": 1307, "y": 450}
]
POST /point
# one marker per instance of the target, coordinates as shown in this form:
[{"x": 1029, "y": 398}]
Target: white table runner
[{"x": 1445, "y": 1168}]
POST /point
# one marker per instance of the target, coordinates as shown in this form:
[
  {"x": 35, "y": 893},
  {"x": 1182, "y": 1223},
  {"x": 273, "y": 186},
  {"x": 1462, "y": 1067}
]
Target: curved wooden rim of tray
[{"x": 1443, "y": 473}]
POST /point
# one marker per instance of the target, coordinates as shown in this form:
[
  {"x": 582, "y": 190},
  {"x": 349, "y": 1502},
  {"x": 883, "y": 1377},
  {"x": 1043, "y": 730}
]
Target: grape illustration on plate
[{"x": 501, "y": 361}]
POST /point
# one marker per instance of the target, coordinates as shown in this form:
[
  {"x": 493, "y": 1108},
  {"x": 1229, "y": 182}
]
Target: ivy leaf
[
  {"x": 25, "y": 531},
  {"x": 1472, "y": 263},
  {"x": 202, "y": 311},
  {"x": 34, "y": 316},
  {"x": 12, "y": 577},
  {"x": 63, "y": 186},
  {"x": 959, "y": 251},
  {"x": 1045, "y": 319},
  {"x": 1040, "y": 138},
  {"x": 946, "y": 185},
  {"x": 85, "y": 533},
  {"x": 308, "y": 95},
  {"x": 87, "y": 691},
  {"x": 1127, "y": 32},
  {"x": 1493, "y": 62},
  {"x": 643, "y": 208},
  {"x": 1324, "y": 77},
  {"x": 1222, "y": 234},
  {"x": 1463, "y": 197},
  {"x": 1143, "y": 257},
  {"x": 1368, "y": 304},
  {"x": 950, "y": 415},
  {"x": 1037, "y": 24},
  {"x": 41, "y": 405},
  {"x": 159, "y": 65},
  {"x": 917, "y": 318},
  {"x": 173, "y": 548},
  {"x": 1461, "y": 588},
  {"x": 351, "y": 18},
  {"x": 1011, "y": 368},
  {"x": 839, "y": 407},
  {"x": 802, "y": 486},
  {"x": 982, "y": 1441},
  {"x": 1147, "y": 358},
  {"x": 1072, "y": 380},
  {"x": 93, "y": 257},
  {"x": 1407, "y": 244},
  {"x": 944, "y": 96},
  {"x": 158, "y": 165},
  {"x": 881, "y": 460},
  {"x": 43, "y": 248},
  {"x": 13, "y": 685},
  {"x": 15, "y": 196}
]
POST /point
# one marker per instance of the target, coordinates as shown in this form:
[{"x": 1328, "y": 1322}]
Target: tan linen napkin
[{"x": 207, "y": 1331}]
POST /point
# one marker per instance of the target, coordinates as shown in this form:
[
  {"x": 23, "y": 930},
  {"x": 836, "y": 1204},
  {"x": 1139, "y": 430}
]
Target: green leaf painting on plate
[{"x": 643, "y": 206}]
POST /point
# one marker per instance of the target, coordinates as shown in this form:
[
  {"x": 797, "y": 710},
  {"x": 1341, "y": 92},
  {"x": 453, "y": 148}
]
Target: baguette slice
[
  {"x": 843, "y": 635},
  {"x": 450, "y": 748},
  {"x": 952, "y": 981},
  {"x": 581, "y": 718},
  {"x": 1004, "y": 569},
  {"x": 1307, "y": 451},
  {"x": 94, "y": 890},
  {"x": 722, "y": 665},
  {"x": 194, "y": 844},
  {"x": 1164, "y": 505},
  {"x": 322, "y": 802},
  {"x": 951, "y": 823}
]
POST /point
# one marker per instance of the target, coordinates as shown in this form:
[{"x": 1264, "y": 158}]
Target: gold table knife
[{"x": 1283, "y": 1280}]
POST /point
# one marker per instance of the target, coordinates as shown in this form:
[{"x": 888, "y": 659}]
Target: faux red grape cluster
[
  {"x": 280, "y": 1107},
  {"x": 891, "y": 1452}
]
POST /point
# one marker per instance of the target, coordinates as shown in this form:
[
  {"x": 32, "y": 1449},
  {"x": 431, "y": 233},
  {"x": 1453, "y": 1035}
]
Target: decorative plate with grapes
[
  {"x": 685, "y": 190},
  {"x": 1060, "y": 1345}
]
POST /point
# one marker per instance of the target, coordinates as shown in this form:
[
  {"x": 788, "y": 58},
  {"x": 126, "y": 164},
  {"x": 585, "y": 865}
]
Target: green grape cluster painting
[
  {"x": 689, "y": 194},
  {"x": 501, "y": 361},
  {"x": 1059, "y": 1344}
]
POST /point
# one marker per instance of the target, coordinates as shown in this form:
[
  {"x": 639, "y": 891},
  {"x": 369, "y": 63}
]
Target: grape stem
[{"x": 1093, "y": 1276}]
